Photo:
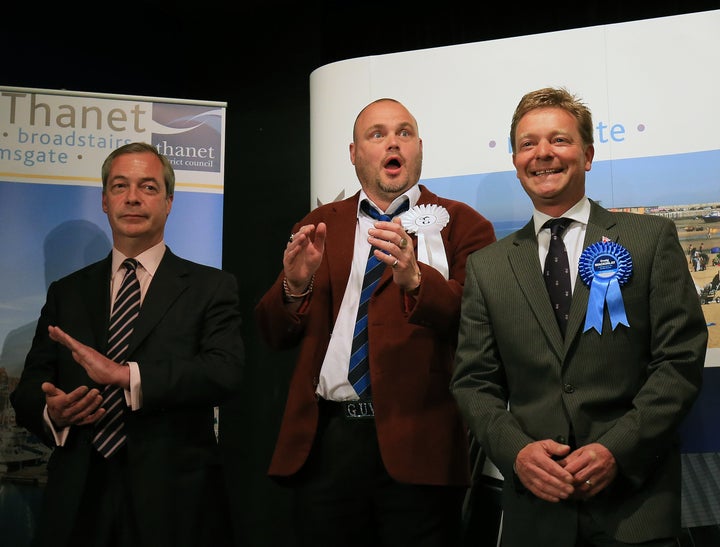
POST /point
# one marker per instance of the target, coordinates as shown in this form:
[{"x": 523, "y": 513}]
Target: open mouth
[{"x": 547, "y": 172}]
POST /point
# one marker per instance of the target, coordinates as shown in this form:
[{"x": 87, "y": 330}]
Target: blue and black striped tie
[{"x": 359, "y": 372}]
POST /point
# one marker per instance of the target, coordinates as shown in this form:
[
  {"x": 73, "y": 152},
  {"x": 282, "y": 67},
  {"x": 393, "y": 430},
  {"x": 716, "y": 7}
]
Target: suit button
[
  {"x": 561, "y": 439},
  {"x": 569, "y": 388}
]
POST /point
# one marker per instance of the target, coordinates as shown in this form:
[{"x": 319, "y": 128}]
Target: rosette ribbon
[
  {"x": 604, "y": 267},
  {"x": 427, "y": 221}
]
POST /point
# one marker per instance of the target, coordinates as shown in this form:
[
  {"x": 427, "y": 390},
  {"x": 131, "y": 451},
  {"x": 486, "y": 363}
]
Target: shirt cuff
[
  {"x": 60, "y": 435},
  {"x": 133, "y": 396}
]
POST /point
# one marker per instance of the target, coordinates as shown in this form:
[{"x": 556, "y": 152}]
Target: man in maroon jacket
[{"x": 384, "y": 462}]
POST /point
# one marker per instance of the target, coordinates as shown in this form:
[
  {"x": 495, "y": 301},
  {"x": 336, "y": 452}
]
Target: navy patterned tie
[
  {"x": 110, "y": 429},
  {"x": 359, "y": 372},
  {"x": 557, "y": 271}
]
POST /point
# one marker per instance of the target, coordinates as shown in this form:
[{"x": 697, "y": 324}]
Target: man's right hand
[
  {"x": 79, "y": 407},
  {"x": 537, "y": 468},
  {"x": 303, "y": 256}
]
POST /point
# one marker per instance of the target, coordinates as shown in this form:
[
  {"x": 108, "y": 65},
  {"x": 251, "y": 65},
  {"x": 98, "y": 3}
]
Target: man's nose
[
  {"x": 543, "y": 149},
  {"x": 132, "y": 193}
]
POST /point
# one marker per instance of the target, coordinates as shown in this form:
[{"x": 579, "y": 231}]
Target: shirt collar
[
  {"x": 149, "y": 259},
  {"x": 413, "y": 195},
  {"x": 580, "y": 212}
]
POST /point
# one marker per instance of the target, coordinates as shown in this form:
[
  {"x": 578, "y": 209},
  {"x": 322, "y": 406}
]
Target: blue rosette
[{"x": 604, "y": 267}]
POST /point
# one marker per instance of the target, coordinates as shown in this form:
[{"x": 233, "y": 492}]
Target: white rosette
[{"x": 427, "y": 221}]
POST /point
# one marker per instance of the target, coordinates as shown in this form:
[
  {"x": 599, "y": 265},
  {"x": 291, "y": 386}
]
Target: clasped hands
[
  {"x": 305, "y": 248},
  {"x": 82, "y": 405},
  {"x": 552, "y": 472}
]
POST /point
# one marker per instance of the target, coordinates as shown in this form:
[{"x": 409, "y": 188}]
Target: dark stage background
[{"x": 257, "y": 56}]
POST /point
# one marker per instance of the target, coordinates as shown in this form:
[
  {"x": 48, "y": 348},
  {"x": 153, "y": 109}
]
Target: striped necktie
[
  {"x": 110, "y": 429},
  {"x": 359, "y": 370}
]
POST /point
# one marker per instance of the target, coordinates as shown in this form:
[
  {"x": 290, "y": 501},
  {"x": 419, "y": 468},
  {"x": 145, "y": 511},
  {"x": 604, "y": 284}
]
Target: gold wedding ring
[
  {"x": 290, "y": 239},
  {"x": 394, "y": 264},
  {"x": 403, "y": 243},
  {"x": 588, "y": 483}
]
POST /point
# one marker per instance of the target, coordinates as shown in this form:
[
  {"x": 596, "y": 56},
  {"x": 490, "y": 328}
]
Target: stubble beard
[{"x": 395, "y": 186}]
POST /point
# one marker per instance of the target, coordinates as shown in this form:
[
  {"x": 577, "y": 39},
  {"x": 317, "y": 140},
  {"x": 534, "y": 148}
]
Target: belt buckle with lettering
[{"x": 356, "y": 410}]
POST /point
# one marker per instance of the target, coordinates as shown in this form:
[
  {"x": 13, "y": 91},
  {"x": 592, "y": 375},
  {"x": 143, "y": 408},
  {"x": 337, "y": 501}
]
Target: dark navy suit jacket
[{"x": 187, "y": 342}]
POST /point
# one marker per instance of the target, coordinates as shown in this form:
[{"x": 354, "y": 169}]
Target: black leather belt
[{"x": 350, "y": 410}]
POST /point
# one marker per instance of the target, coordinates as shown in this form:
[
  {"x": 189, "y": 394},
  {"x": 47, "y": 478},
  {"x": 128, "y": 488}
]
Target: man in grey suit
[
  {"x": 164, "y": 485},
  {"x": 583, "y": 428}
]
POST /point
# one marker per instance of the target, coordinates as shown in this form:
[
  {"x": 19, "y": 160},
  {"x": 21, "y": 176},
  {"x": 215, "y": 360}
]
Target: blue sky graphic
[{"x": 678, "y": 179}]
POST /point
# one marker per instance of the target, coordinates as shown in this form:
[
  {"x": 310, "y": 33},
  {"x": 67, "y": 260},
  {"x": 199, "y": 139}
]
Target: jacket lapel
[
  {"x": 339, "y": 247},
  {"x": 169, "y": 282},
  {"x": 525, "y": 264},
  {"x": 96, "y": 301}
]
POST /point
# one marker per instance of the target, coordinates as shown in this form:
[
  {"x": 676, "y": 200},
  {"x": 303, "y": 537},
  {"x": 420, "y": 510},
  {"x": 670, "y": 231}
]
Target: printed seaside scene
[{"x": 647, "y": 185}]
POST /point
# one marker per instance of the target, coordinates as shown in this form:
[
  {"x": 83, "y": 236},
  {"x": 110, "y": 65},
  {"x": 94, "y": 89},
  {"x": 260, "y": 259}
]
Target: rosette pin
[{"x": 604, "y": 267}]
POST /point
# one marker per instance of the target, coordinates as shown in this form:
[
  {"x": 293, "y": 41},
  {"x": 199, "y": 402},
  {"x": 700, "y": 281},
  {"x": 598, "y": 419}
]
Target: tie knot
[
  {"x": 377, "y": 215},
  {"x": 130, "y": 264},
  {"x": 557, "y": 225}
]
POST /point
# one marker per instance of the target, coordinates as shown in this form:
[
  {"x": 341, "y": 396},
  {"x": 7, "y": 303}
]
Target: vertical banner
[{"x": 52, "y": 146}]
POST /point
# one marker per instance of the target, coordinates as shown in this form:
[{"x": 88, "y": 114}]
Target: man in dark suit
[
  {"x": 388, "y": 466},
  {"x": 584, "y": 428},
  {"x": 164, "y": 486}
]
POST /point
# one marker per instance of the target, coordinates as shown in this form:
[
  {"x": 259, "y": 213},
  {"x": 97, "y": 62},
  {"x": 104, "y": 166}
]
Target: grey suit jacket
[
  {"x": 187, "y": 343},
  {"x": 516, "y": 380}
]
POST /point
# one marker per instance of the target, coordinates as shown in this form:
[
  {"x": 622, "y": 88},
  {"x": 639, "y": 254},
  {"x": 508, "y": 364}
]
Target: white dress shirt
[
  {"x": 334, "y": 384},
  {"x": 573, "y": 237}
]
